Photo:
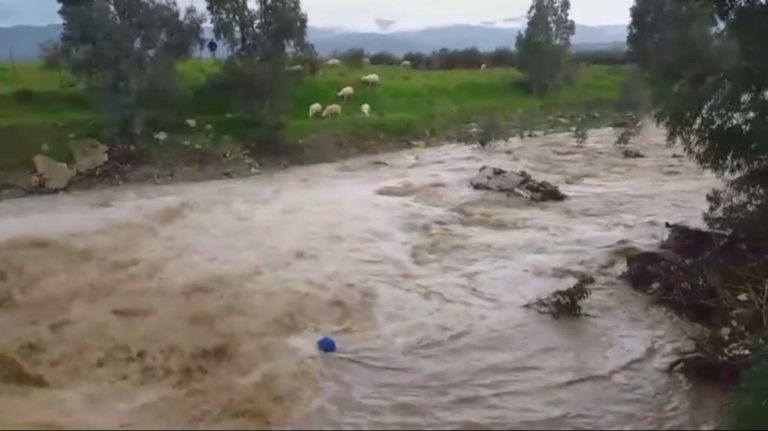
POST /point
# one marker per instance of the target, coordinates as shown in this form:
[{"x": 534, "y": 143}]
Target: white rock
[
  {"x": 88, "y": 154},
  {"x": 56, "y": 174},
  {"x": 743, "y": 297},
  {"x": 161, "y": 136},
  {"x": 208, "y": 127},
  {"x": 191, "y": 123}
]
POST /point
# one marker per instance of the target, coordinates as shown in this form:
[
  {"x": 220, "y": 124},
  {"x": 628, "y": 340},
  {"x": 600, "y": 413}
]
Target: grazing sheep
[
  {"x": 333, "y": 62},
  {"x": 295, "y": 68},
  {"x": 405, "y": 63},
  {"x": 332, "y": 111},
  {"x": 346, "y": 93},
  {"x": 483, "y": 66},
  {"x": 370, "y": 80},
  {"x": 366, "y": 110},
  {"x": 315, "y": 110}
]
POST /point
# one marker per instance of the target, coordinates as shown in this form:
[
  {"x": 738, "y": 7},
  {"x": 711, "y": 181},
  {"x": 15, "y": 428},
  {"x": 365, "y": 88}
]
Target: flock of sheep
[{"x": 347, "y": 93}]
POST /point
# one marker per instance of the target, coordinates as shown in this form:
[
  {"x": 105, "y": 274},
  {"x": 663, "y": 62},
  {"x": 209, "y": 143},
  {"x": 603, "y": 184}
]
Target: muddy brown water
[{"x": 199, "y": 305}]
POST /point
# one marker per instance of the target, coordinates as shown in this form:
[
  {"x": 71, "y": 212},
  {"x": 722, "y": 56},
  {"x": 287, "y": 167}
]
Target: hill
[{"x": 24, "y": 41}]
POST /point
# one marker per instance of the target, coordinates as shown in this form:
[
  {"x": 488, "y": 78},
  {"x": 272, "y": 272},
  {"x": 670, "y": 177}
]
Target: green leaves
[
  {"x": 707, "y": 66},
  {"x": 543, "y": 47},
  {"x": 125, "y": 51}
]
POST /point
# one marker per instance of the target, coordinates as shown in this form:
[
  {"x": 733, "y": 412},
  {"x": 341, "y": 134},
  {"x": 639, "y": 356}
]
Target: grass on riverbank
[{"x": 39, "y": 106}]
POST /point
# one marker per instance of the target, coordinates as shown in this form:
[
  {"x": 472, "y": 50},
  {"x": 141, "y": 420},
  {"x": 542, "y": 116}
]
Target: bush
[
  {"x": 605, "y": 57},
  {"x": 470, "y": 58},
  {"x": 502, "y": 57},
  {"x": 24, "y": 96},
  {"x": 384, "y": 59},
  {"x": 353, "y": 57},
  {"x": 417, "y": 59}
]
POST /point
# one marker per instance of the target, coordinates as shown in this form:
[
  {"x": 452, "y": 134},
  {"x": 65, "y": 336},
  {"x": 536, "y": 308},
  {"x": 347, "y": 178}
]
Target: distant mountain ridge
[
  {"x": 23, "y": 41},
  {"x": 484, "y": 37}
]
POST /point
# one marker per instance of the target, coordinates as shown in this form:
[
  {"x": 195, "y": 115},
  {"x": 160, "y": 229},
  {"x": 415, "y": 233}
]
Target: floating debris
[
  {"x": 565, "y": 302},
  {"x": 326, "y": 345},
  {"x": 520, "y": 183}
]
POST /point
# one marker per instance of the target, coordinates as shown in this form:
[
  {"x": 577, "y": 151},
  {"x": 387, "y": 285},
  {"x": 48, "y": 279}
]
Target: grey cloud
[{"x": 362, "y": 14}]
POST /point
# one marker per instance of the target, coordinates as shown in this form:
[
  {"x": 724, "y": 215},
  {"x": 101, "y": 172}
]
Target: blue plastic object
[{"x": 326, "y": 345}]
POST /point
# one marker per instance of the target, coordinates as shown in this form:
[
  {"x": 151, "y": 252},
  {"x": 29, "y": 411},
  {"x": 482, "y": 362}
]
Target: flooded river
[{"x": 199, "y": 305}]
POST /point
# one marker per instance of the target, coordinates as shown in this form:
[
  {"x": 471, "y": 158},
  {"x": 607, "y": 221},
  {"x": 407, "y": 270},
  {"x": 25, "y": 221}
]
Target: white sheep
[
  {"x": 332, "y": 111},
  {"x": 295, "y": 68},
  {"x": 366, "y": 110},
  {"x": 366, "y": 61},
  {"x": 346, "y": 93},
  {"x": 371, "y": 80},
  {"x": 405, "y": 63},
  {"x": 315, "y": 110},
  {"x": 483, "y": 66},
  {"x": 333, "y": 62}
]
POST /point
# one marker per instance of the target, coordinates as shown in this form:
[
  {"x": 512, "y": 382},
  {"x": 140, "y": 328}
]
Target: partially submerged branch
[{"x": 565, "y": 302}]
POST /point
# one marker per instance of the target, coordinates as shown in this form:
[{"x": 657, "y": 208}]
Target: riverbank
[{"x": 40, "y": 112}]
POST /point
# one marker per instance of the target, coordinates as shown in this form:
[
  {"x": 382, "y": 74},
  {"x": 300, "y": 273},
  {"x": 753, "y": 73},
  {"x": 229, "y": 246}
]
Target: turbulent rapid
[{"x": 199, "y": 305}]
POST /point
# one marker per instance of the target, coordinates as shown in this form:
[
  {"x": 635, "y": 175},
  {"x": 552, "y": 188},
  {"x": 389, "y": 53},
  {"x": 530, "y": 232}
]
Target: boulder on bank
[
  {"x": 56, "y": 175},
  {"x": 520, "y": 183},
  {"x": 691, "y": 243},
  {"x": 88, "y": 154}
]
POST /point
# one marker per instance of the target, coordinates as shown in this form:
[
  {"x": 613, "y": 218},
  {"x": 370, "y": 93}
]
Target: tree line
[
  {"x": 473, "y": 58},
  {"x": 124, "y": 54}
]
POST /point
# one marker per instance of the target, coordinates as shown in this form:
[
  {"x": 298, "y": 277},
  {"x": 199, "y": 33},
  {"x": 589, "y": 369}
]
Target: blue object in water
[{"x": 326, "y": 345}]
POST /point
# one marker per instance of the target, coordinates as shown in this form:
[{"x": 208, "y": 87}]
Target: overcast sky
[{"x": 360, "y": 14}]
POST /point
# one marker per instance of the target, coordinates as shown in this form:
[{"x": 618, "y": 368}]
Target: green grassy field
[{"x": 40, "y": 106}]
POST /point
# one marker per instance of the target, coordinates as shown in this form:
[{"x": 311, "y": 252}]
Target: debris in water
[
  {"x": 709, "y": 276},
  {"x": 12, "y": 372},
  {"x": 691, "y": 242},
  {"x": 520, "y": 183},
  {"x": 629, "y": 153},
  {"x": 326, "y": 345},
  {"x": 565, "y": 302}
]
